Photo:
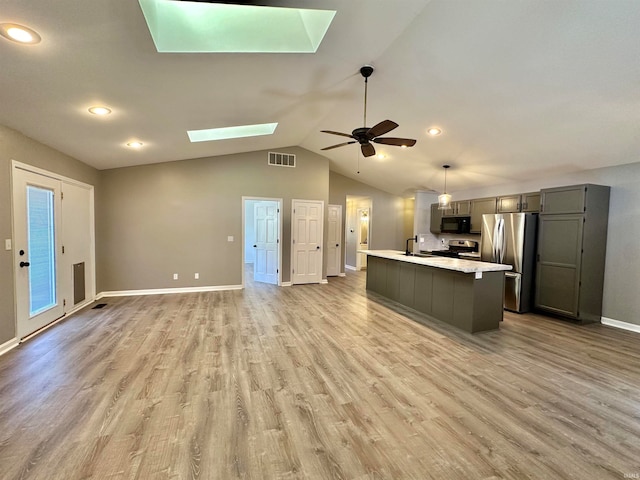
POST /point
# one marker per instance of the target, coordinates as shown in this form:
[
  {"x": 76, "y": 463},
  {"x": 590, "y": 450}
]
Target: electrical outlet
[
  {"x": 175, "y": 276},
  {"x": 197, "y": 276}
]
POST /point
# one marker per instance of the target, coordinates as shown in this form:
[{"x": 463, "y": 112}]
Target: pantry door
[{"x": 36, "y": 208}]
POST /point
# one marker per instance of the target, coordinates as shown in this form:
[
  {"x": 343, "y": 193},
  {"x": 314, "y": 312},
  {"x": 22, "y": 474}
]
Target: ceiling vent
[{"x": 282, "y": 159}]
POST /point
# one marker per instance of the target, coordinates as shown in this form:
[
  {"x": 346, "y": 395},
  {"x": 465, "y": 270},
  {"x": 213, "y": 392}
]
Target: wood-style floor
[{"x": 316, "y": 381}]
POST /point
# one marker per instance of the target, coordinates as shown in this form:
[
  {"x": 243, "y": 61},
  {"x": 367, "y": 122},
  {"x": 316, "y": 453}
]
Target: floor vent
[
  {"x": 281, "y": 159},
  {"x": 100, "y": 305}
]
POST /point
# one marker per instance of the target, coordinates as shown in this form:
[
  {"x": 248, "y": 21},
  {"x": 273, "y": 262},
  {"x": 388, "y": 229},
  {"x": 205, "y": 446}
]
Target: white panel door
[
  {"x": 36, "y": 217},
  {"x": 334, "y": 240},
  {"x": 266, "y": 246},
  {"x": 77, "y": 244},
  {"x": 306, "y": 250}
]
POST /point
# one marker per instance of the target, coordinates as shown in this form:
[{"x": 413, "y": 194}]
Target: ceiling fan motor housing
[{"x": 366, "y": 71}]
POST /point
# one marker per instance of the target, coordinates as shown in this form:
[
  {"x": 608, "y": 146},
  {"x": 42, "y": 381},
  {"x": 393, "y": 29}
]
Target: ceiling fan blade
[
  {"x": 368, "y": 150},
  {"x": 381, "y": 128},
  {"x": 337, "y": 133},
  {"x": 338, "y": 145},
  {"x": 400, "y": 142}
]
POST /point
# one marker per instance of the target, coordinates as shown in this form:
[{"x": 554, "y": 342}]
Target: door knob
[
  {"x": 24, "y": 264},
  {"x": 255, "y": 246},
  {"x": 318, "y": 247},
  {"x": 337, "y": 244}
]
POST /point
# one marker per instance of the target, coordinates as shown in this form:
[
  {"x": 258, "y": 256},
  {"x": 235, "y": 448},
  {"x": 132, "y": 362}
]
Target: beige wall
[
  {"x": 161, "y": 219},
  {"x": 387, "y": 212},
  {"x": 15, "y": 146}
]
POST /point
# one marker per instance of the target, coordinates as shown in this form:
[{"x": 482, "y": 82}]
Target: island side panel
[{"x": 479, "y": 302}]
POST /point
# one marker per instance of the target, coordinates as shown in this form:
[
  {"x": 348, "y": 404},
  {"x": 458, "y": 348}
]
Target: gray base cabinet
[
  {"x": 456, "y": 298},
  {"x": 572, "y": 240}
]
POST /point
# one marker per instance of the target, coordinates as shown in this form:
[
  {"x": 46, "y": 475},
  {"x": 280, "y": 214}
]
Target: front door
[
  {"x": 36, "y": 211},
  {"x": 334, "y": 240},
  {"x": 306, "y": 231},
  {"x": 266, "y": 246}
]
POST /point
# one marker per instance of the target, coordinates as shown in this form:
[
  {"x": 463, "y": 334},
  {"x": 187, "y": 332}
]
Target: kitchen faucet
[{"x": 413, "y": 239}]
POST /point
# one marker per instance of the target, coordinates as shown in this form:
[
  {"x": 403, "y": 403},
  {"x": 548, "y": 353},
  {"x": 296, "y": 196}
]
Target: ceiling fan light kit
[
  {"x": 365, "y": 135},
  {"x": 444, "y": 200}
]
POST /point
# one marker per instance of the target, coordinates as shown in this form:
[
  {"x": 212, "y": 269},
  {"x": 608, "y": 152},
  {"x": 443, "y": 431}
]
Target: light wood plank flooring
[{"x": 317, "y": 381}]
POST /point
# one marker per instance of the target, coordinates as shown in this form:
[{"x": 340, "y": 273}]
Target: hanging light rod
[{"x": 444, "y": 200}]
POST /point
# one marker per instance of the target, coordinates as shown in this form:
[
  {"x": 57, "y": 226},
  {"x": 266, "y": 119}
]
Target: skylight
[
  {"x": 231, "y": 132},
  {"x": 202, "y": 27}
]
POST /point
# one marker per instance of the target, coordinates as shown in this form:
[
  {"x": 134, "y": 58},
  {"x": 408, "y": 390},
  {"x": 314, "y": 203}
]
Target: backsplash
[{"x": 429, "y": 241}]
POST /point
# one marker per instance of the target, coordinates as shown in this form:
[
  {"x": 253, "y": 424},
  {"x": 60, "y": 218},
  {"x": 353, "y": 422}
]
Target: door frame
[
  {"x": 245, "y": 199},
  {"x": 341, "y": 262},
  {"x": 91, "y": 294}
]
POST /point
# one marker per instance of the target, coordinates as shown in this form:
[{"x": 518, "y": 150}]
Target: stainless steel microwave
[{"x": 455, "y": 225}]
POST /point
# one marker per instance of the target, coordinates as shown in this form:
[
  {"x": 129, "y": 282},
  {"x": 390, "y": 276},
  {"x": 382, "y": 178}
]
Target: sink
[{"x": 421, "y": 255}]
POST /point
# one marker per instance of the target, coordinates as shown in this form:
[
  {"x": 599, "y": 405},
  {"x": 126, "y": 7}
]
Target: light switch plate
[
  {"x": 230, "y": 238},
  {"x": 7, "y": 244}
]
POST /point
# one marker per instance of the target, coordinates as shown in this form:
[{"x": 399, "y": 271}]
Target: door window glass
[{"x": 42, "y": 251}]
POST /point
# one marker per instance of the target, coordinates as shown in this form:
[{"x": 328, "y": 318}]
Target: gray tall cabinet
[{"x": 572, "y": 241}]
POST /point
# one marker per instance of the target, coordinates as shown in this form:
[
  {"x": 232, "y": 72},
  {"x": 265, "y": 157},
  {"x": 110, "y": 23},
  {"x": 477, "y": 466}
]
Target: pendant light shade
[{"x": 444, "y": 200}]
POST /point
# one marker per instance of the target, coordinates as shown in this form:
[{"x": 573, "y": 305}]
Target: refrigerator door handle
[
  {"x": 499, "y": 240},
  {"x": 494, "y": 253},
  {"x": 511, "y": 274}
]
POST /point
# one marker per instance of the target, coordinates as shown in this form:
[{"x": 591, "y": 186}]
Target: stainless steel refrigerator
[{"x": 510, "y": 238}]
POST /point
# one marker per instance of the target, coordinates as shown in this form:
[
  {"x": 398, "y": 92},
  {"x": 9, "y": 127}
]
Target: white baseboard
[
  {"x": 164, "y": 291},
  {"x": 286, "y": 284},
  {"x": 342, "y": 274},
  {"x": 618, "y": 324},
  {"x": 8, "y": 345},
  {"x": 324, "y": 281},
  {"x": 350, "y": 267}
]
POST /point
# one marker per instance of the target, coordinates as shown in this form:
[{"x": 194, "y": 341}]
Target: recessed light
[
  {"x": 19, "y": 33},
  {"x": 381, "y": 156},
  {"x": 97, "y": 110},
  {"x": 434, "y": 131},
  {"x": 226, "y": 133},
  {"x": 135, "y": 144}
]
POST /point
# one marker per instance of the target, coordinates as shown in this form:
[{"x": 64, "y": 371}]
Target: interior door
[
  {"x": 36, "y": 216},
  {"x": 266, "y": 246},
  {"x": 306, "y": 249},
  {"x": 334, "y": 239}
]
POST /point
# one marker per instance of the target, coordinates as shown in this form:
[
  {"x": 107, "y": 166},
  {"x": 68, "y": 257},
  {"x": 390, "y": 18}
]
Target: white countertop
[{"x": 447, "y": 263}]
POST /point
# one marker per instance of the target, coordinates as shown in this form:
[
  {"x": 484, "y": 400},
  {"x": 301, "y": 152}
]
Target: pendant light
[{"x": 444, "y": 200}]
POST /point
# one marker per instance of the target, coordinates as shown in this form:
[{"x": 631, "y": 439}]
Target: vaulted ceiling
[{"x": 521, "y": 89}]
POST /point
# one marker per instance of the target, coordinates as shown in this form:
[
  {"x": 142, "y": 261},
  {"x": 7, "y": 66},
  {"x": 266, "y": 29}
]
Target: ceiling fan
[{"x": 365, "y": 135}]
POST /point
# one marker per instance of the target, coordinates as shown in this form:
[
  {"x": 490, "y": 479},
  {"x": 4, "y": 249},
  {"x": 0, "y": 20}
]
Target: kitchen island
[{"x": 467, "y": 294}]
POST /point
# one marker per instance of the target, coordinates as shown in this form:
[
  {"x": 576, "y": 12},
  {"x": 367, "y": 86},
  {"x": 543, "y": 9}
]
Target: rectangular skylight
[
  {"x": 231, "y": 132},
  {"x": 202, "y": 27}
]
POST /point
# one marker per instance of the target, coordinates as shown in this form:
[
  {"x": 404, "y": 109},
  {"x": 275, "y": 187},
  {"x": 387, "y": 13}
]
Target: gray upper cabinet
[
  {"x": 479, "y": 207},
  {"x": 526, "y": 202},
  {"x": 563, "y": 200},
  {"x": 530, "y": 202},
  {"x": 572, "y": 241},
  {"x": 436, "y": 219},
  {"x": 508, "y": 204},
  {"x": 461, "y": 208}
]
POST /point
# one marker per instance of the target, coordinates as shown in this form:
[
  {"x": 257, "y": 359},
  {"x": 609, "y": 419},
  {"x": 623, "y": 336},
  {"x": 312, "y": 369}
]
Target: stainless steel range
[{"x": 456, "y": 248}]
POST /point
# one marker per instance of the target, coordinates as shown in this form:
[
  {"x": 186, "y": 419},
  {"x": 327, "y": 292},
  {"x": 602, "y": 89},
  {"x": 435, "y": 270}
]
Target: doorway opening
[
  {"x": 358, "y": 235},
  {"x": 261, "y": 244}
]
